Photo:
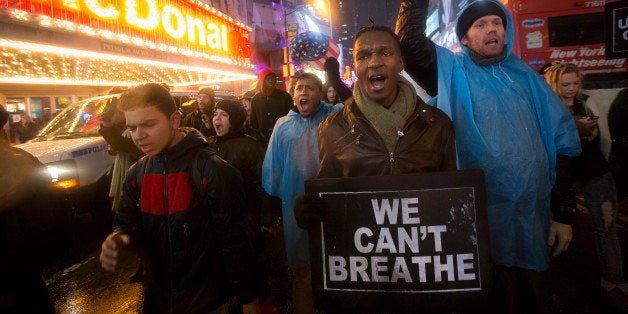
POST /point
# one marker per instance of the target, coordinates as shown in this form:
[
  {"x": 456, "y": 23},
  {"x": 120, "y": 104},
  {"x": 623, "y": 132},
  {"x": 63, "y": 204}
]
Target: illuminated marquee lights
[
  {"x": 33, "y": 63},
  {"x": 172, "y": 20}
]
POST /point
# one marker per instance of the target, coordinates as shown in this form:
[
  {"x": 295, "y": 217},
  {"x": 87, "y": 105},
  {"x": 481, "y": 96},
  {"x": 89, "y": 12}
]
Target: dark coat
[
  {"x": 266, "y": 109},
  {"x": 245, "y": 154},
  {"x": 350, "y": 147},
  {"x": 195, "y": 120},
  {"x": 118, "y": 143},
  {"x": 27, "y": 231},
  {"x": 197, "y": 254}
]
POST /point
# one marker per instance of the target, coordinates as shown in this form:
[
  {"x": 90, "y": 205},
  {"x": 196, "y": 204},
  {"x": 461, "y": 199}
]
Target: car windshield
[{"x": 81, "y": 119}]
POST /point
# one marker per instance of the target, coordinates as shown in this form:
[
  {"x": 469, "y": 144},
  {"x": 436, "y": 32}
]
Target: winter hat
[
  {"x": 476, "y": 10},
  {"x": 263, "y": 73},
  {"x": 236, "y": 112},
  {"x": 4, "y": 116}
]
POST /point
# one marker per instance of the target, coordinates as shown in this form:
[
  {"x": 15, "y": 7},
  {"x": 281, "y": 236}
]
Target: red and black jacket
[{"x": 197, "y": 254}]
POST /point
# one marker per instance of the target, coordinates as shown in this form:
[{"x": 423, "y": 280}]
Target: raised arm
[{"x": 418, "y": 51}]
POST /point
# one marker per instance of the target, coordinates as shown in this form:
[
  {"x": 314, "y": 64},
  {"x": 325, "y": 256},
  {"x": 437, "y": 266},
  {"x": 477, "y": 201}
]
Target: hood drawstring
[{"x": 501, "y": 70}]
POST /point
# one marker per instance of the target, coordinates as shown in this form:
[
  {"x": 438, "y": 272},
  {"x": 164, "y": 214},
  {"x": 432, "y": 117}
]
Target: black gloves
[
  {"x": 332, "y": 72},
  {"x": 309, "y": 210},
  {"x": 332, "y": 67},
  {"x": 270, "y": 219},
  {"x": 563, "y": 197}
]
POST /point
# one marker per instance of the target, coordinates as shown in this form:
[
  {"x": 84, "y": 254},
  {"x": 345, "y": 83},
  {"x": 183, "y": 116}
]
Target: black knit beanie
[
  {"x": 237, "y": 114},
  {"x": 476, "y": 10}
]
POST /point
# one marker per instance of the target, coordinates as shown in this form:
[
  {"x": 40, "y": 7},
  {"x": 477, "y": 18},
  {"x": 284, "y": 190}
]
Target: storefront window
[
  {"x": 16, "y": 108},
  {"x": 16, "y": 105},
  {"x": 40, "y": 109}
]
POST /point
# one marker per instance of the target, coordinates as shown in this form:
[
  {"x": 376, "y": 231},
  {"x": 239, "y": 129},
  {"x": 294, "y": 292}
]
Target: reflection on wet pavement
[{"x": 86, "y": 288}]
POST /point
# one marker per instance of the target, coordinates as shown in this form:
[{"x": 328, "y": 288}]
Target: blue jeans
[{"x": 601, "y": 198}]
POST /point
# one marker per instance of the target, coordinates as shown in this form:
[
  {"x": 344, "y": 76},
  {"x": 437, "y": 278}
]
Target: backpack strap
[
  {"x": 139, "y": 174},
  {"x": 196, "y": 174}
]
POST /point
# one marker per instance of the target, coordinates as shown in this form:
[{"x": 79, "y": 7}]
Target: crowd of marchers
[{"x": 213, "y": 200}]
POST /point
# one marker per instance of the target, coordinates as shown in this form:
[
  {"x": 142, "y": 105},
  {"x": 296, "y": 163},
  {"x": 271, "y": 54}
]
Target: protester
[
  {"x": 399, "y": 124},
  {"x": 331, "y": 97},
  {"x": 591, "y": 172},
  {"x": 241, "y": 151},
  {"x": 292, "y": 158},
  {"x": 386, "y": 130},
  {"x": 183, "y": 207},
  {"x": 332, "y": 75},
  {"x": 269, "y": 104},
  {"x": 246, "y": 154},
  {"x": 510, "y": 124},
  {"x": 113, "y": 129},
  {"x": 245, "y": 99},
  {"x": 26, "y": 129},
  {"x": 205, "y": 105},
  {"x": 26, "y": 222}
]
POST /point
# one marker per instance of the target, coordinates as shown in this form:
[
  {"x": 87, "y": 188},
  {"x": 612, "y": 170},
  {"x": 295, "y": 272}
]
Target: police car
[{"x": 76, "y": 156}]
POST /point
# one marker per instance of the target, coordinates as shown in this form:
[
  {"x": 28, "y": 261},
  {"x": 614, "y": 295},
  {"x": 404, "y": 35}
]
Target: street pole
[
  {"x": 331, "y": 28},
  {"x": 288, "y": 69}
]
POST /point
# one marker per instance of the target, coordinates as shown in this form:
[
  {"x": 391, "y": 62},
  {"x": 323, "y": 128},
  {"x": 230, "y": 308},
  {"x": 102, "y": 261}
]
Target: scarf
[
  {"x": 388, "y": 122},
  {"x": 482, "y": 60},
  {"x": 121, "y": 165}
]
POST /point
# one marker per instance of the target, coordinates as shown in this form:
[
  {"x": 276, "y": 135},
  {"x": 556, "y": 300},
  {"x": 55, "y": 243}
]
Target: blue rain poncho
[
  {"x": 509, "y": 123},
  {"x": 292, "y": 158}
]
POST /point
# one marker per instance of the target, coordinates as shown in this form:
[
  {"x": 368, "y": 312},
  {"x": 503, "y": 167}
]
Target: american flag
[
  {"x": 332, "y": 51},
  {"x": 313, "y": 48}
]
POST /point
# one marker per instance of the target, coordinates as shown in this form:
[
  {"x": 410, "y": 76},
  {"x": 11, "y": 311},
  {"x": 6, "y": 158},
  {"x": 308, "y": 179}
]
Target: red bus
[{"x": 557, "y": 30}]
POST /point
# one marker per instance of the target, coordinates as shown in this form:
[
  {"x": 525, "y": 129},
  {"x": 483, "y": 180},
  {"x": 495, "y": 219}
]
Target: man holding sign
[{"x": 387, "y": 130}]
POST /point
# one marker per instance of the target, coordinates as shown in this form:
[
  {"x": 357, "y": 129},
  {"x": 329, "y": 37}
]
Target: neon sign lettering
[{"x": 147, "y": 16}]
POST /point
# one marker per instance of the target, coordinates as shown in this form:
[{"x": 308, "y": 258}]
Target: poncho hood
[{"x": 510, "y": 30}]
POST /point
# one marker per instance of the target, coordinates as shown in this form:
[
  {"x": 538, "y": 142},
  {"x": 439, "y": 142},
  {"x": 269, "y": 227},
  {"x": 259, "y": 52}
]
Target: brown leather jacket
[{"x": 350, "y": 147}]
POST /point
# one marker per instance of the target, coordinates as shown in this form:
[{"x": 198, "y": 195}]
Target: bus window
[{"x": 576, "y": 30}]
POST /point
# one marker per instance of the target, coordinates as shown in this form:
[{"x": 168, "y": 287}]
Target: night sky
[{"x": 356, "y": 13}]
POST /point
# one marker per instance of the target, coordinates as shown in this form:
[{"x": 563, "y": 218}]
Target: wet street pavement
[
  {"x": 86, "y": 288},
  {"x": 77, "y": 284}
]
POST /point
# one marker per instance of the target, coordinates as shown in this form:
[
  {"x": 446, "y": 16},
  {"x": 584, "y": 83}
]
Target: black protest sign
[
  {"x": 399, "y": 242},
  {"x": 616, "y": 20}
]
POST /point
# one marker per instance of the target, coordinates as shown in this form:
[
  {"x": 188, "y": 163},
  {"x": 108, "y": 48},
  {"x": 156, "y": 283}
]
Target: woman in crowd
[
  {"x": 245, "y": 99},
  {"x": 591, "y": 173},
  {"x": 247, "y": 154},
  {"x": 331, "y": 97},
  {"x": 240, "y": 150}
]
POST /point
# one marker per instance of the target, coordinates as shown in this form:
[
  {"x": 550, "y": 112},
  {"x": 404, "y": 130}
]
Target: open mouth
[
  {"x": 218, "y": 127},
  {"x": 144, "y": 147},
  {"x": 492, "y": 42},
  {"x": 377, "y": 81}
]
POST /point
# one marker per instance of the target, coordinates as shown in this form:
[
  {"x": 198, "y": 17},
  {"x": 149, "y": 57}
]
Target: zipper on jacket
[{"x": 168, "y": 231}]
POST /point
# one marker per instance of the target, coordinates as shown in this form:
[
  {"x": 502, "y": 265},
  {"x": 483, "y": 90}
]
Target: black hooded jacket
[
  {"x": 246, "y": 154},
  {"x": 267, "y": 107},
  {"x": 197, "y": 255}
]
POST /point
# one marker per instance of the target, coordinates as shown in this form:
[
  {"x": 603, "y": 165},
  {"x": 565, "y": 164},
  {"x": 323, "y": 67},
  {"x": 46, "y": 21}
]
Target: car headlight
[{"x": 63, "y": 174}]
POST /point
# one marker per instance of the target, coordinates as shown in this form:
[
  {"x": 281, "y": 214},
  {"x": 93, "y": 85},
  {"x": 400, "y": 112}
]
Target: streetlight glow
[{"x": 321, "y": 5}]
